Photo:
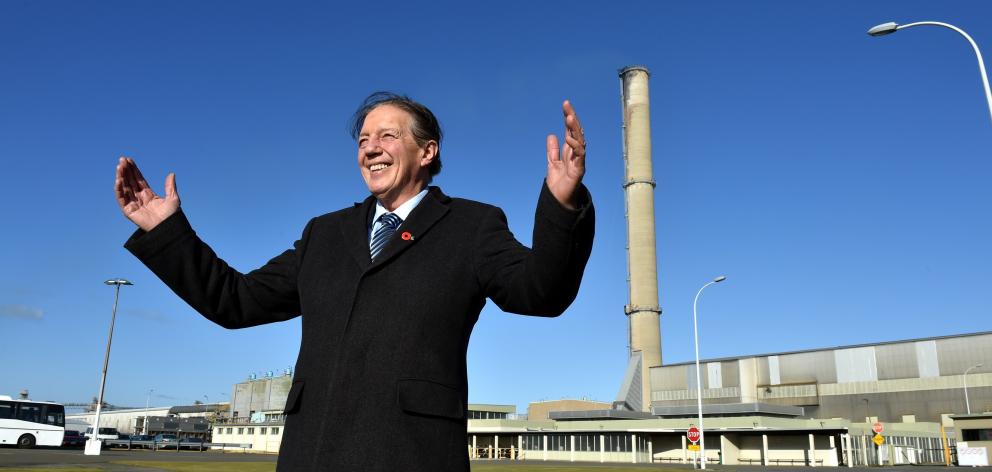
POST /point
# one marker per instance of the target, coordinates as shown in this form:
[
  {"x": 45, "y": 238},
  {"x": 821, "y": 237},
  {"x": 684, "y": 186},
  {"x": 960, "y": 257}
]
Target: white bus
[{"x": 28, "y": 423}]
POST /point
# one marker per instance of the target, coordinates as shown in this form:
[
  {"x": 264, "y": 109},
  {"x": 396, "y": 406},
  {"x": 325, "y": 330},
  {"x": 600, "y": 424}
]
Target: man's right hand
[{"x": 137, "y": 200}]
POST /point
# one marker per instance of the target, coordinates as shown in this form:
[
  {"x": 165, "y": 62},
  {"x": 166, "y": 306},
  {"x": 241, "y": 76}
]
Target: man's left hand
[{"x": 566, "y": 168}]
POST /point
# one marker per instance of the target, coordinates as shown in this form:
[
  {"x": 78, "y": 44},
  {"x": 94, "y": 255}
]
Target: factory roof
[{"x": 851, "y": 346}]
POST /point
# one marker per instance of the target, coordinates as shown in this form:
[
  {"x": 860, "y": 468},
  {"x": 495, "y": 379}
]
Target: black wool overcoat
[{"x": 380, "y": 381}]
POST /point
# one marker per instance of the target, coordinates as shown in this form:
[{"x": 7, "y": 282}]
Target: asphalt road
[
  {"x": 12, "y": 457},
  {"x": 592, "y": 466}
]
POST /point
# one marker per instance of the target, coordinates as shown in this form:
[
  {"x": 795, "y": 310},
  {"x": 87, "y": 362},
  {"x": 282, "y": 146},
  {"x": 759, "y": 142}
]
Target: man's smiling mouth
[{"x": 377, "y": 167}]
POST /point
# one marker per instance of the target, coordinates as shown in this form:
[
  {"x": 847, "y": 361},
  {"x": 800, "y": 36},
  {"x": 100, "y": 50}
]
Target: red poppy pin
[{"x": 407, "y": 236}]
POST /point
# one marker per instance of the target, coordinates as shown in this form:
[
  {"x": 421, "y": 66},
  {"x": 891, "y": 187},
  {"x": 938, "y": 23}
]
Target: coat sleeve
[
  {"x": 542, "y": 281},
  {"x": 174, "y": 252}
]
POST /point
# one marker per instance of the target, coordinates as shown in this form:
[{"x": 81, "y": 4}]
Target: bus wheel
[{"x": 25, "y": 441}]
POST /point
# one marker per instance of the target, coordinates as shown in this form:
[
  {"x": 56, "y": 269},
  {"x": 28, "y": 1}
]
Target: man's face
[{"x": 393, "y": 165}]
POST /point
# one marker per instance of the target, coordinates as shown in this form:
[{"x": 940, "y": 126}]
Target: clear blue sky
[{"x": 840, "y": 181}]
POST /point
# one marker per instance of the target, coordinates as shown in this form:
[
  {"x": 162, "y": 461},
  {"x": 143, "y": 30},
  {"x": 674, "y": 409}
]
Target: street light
[
  {"x": 147, "y": 400},
  {"x": 93, "y": 443},
  {"x": 699, "y": 384},
  {"x": 891, "y": 27},
  {"x": 966, "y": 404},
  {"x": 868, "y": 422}
]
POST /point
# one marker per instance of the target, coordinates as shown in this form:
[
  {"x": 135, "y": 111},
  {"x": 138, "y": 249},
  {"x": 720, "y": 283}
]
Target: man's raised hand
[
  {"x": 137, "y": 200},
  {"x": 566, "y": 168}
]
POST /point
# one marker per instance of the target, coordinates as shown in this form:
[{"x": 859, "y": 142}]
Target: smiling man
[{"x": 388, "y": 290}]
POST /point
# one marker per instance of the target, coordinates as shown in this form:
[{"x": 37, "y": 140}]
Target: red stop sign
[
  {"x": 877, "y": 427},
  {"x": 693, "y": 434}
]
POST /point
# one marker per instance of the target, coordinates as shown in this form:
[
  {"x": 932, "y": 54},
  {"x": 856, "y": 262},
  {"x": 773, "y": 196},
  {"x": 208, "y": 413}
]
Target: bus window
[
  {"x": 55, "y": 415},
  {"x": 27, "y": 412},
  {"x": 6, "y": 410}
]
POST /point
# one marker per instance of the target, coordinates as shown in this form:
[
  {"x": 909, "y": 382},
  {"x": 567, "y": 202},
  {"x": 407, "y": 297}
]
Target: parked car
[
  {"x": 145, "y": 438},
  {"x": 73, "y": 439},
  {"x": 192, "y": 443},
  {"x": 165, "y": 441},
  {"x": 105, "y": 433}
]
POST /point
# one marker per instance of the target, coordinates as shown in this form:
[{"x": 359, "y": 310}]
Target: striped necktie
[{"x": 388, "y": 223}]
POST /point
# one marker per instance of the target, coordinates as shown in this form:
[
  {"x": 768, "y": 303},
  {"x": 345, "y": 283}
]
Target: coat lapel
[
  {"x": 355, "y": 232},
  {"x": 431, "y": 209}
]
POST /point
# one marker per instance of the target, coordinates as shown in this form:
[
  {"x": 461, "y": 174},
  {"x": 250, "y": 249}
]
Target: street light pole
[
  {"x": 144, "y": 427},
  {"x": 699, "y": 385},
  {"x": 94, "y": 443},
  {"x": 868, "y": 422},
  {"x": 892, "y": 27},
  {"x": 966, "y": 404}
]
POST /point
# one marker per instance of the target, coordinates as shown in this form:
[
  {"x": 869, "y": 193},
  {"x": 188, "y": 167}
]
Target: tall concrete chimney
[{"x": 642, "y": 309}]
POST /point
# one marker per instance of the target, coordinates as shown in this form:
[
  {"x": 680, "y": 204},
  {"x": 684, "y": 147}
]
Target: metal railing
[
  {"x": 177, "y": 445},
  {"x": 496, "y": 453}
]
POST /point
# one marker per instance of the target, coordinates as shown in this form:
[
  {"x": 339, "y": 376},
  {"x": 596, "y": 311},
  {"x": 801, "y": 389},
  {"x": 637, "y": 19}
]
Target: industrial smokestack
[{"x": 642, "y": 310}]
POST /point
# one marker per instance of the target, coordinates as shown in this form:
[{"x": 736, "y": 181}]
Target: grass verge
[
  {"x": 202, "y": 466},
  {"x": 50, "y": 469}
]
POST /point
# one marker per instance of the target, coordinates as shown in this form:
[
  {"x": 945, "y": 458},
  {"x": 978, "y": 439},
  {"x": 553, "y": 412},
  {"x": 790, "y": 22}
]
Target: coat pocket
[
  {"x": 294, "y": 401},
  {"x": 426, "y": 397}
]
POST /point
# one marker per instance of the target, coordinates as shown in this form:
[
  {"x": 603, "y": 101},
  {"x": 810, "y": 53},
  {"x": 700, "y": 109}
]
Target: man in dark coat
[{"x": 389, "y": 291}]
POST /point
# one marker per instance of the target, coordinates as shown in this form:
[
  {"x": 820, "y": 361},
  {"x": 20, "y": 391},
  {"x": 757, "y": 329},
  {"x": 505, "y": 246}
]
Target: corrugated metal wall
[
  {"x": 896, "y": 361},
  {"x": 954, "y": 355}
]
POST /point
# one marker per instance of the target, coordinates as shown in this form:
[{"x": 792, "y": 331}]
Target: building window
[
  {"x": 261, "y": 430},
  {"x": 229, "y": 430},
  {"x": 534, "y": 442},
  {"x": 618, "y": 442},
  {"x": 587, "y": 442},
  {"x": 251, "y": 430},
  {"x": 275, "y": 430},
  {"x": 220, "y": 430},
  {"x": 486, "y": 415},
  {"x": 976, "y": 434},
  {"x": 241, "y": 431}
]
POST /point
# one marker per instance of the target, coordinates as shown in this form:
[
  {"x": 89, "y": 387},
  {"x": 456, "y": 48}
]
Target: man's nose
[{"x": 372, "y": 148}]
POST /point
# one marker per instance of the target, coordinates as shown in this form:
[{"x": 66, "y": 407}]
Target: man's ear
[{"x": 429, "y": 153}]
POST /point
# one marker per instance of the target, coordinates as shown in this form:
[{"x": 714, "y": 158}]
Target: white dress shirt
[{"x": 402, "y": 211}]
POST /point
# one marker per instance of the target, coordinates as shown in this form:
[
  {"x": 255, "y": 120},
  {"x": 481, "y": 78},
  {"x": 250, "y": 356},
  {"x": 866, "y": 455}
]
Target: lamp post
[
  {"x": 699, "y": 384},
  {"x": 144, "y": 428},
  {"x": 892, "y": 27},
  {"x": 868, "y": 422},
  {"x": 93, "y": 443},
  {"x": 966, "y": 404}
]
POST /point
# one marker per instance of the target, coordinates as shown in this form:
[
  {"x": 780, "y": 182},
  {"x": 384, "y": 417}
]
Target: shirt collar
[{"x": 403, "y": 211}]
